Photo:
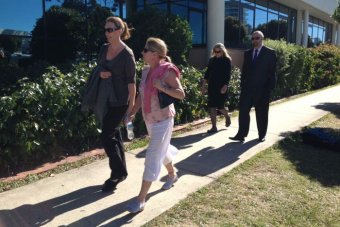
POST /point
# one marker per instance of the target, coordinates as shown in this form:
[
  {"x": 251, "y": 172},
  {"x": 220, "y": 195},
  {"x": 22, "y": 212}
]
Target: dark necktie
[{"x": 255, "y": 55}]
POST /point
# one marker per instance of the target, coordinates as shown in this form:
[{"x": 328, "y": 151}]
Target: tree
[
  {"x": 63, "y": 34},
  {"x": 94, "y": 20},
  {"x": 73, "y": 30},
  {"x": 234, "y": 32},
  {"x": 336, "y": 14},
  {"x": 172, "y": 29},
  {"x": 9, "y": 43}
]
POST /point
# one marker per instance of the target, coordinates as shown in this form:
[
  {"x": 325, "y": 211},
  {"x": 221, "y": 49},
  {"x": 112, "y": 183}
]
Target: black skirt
[{"x": 216, "y": 99}]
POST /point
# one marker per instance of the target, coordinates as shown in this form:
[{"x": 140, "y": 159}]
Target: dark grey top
[{"x": 123, "y": 70}]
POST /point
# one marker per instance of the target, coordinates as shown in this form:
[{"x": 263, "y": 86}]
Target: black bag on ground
[{"x": 322, "y": 138}]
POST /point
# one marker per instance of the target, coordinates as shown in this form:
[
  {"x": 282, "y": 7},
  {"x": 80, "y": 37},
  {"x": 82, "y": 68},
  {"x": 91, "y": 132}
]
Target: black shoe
[
  {"x": 227, "y": 122},
  {"x": 237, "y": 138},
  {"x": 110, "y": 185},
  {"x": 262, "y": 139},
  {"x": 212, "y": 130}
]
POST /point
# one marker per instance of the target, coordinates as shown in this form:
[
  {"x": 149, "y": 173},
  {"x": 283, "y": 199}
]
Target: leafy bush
[
  {"x": 44, "y": 115},
  {"x": 294, "y": 69},
  {"x": 327, "y": 65},
  {"x": 10, "y": 74},
  {"x": 234, "y": 89},
  {"x": 193, "y": 106}
]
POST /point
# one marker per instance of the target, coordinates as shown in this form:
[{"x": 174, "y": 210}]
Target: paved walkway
[{"x": 73, "y": 198}]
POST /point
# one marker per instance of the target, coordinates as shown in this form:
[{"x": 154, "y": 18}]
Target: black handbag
[{"x": 165, "y": 99}]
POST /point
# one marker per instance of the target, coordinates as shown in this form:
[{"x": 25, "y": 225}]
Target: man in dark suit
[{"x": 258, "y": 78}]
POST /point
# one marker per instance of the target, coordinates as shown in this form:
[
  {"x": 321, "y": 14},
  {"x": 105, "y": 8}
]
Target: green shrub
[
  {"x": 10, "y": 74},
  {"x": 44, "y": 115},
  {"x": 234, "y": 89},
  {"x": 327, "y": 65},
  {"x": 193, "y": 106},
  {"x": 302, "y": 69},
  {"x": 294, "y": 69}
]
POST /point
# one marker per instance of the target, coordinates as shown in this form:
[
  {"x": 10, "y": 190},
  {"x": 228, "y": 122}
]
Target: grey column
[
  {"x": 334, "y": 34},
  {"x": 215, "y": 24},
  {"x": 305, "y": 28},
  {"x": 298, "y": 27},
  {"x": 338, "y": 36}
]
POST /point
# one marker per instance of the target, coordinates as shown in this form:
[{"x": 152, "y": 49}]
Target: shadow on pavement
[
  {"x": 209, "y": 160},
  {"x": 42, "y": 213},
  {"x": 98, "y": 218},
  {"x": 330, "y": 107},
  {"x": 182, "y": 142}
]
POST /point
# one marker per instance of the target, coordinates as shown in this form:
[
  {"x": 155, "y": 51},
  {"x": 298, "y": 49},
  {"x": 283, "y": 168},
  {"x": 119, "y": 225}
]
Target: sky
[{"x": 22, "y": 14}]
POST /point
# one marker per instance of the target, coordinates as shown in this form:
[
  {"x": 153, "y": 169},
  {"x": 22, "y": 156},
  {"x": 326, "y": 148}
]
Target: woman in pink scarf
[{"x": 160, "y": 75}]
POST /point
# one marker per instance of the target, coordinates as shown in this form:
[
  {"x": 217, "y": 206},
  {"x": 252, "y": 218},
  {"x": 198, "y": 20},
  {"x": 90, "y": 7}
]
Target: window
[
  {"x": 276, "y": 21},
  {"x": 318, "y": 32},
  {"x": 248, "y": 20},
  {"x": 196, "y": 24}
]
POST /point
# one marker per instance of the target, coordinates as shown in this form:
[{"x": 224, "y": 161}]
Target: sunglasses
[
  {"x": 217, "y": 51},
  {"x": 110, "y": 30},
  {"x": 255, "y": 38}
]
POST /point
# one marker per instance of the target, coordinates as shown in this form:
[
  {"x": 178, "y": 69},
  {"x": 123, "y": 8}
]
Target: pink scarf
[{"x": 156, "y": 73}]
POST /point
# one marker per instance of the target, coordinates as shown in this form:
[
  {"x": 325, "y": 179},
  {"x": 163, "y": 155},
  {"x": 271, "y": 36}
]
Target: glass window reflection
[
  {"x": 273, "y": 19},
  {"x": 318, "y": 32},
  {"x": 248, "y": 20},
  {"x": 196, "y": 24},
  {"x": 261, "y": 18}
]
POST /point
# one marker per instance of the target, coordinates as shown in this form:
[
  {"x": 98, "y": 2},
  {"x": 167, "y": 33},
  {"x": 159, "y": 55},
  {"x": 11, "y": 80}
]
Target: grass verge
[{"x": 289, "y": 184}]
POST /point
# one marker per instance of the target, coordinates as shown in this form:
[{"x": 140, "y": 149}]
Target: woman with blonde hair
[
  {"x": 159, "y": 75},
  {"x": 217, "y": 77}
]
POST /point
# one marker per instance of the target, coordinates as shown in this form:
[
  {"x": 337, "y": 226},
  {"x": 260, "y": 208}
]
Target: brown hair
[
  {"x": 119, "y": 23},
  {"x": 159, "y": 46}
]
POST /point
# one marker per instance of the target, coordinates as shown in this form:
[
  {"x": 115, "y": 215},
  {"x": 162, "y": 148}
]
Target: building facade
[{"x": 304, "y": 22}]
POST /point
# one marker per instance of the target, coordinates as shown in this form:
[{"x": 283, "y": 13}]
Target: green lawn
[{"x": 290, "y": 184}]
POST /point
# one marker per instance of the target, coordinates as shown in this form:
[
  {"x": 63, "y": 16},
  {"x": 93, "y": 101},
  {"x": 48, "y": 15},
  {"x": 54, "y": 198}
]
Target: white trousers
[{"x": 159, "y": 151}]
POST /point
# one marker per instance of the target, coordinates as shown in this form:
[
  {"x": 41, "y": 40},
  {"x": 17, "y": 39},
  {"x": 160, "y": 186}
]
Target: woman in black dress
[{"x": 217, "y": 76}]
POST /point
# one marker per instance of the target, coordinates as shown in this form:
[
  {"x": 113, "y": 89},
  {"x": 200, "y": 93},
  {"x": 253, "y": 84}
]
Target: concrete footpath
[{"x": 74, "y": 198}]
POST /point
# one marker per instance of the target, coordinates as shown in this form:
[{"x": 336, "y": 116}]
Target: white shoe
[
  {"x": 135, "y": 206},
  {"x": 169, "y": 182}
]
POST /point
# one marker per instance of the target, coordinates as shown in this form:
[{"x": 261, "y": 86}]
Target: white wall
[{"x": 327, "y": 6}]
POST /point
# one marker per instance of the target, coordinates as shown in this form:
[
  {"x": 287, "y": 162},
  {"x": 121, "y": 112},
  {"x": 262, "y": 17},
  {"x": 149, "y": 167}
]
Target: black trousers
[
  {"x": 261, "y": 104},
  {"x": 112, "y": 141}
]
